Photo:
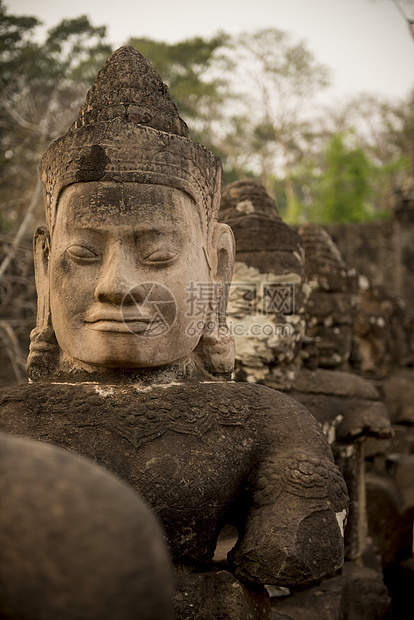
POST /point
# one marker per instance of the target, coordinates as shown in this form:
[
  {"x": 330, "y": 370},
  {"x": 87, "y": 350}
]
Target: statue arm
[{"x": 293, "y": 534}]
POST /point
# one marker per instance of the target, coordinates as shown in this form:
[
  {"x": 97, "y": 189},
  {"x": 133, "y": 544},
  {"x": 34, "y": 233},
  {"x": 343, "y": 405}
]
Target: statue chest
[{"x": 188, "y": 453}]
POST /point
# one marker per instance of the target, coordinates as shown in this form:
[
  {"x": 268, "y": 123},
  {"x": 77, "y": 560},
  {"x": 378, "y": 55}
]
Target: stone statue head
[
  {"x": 330, "y": 309},
  {"x": 266, "y": 307},
  {"x": 132, "y": 236}
]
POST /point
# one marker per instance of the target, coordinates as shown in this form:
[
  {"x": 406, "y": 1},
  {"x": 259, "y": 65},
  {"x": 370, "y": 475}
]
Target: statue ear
[
  {"x": 44, "y": 350},
  {"x": 223, "y": 245},
  {"x": 224, "y": 252},
  {"x": 215, "y": 351}
]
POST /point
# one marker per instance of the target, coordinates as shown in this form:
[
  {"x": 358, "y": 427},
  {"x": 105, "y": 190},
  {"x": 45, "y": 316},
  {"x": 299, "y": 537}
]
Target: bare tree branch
[
  {"x": 45, "y": 127},
  {"x": 22, "y": 230},
  {"x": 14, "y": 352},
  {"x": 410, "y": 22}
]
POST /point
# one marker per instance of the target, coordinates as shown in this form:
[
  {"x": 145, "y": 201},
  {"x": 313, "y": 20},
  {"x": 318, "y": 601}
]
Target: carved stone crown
[
  {"x": 324, "y": 264},
  {"x": 244, "y": 198},
  {"x": 129, "y": 129}
]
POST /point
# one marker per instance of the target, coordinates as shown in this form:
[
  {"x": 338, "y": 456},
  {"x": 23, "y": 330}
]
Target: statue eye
[
  {"x": 82, "y": 253},
  {"x": 161, "y": 256}
]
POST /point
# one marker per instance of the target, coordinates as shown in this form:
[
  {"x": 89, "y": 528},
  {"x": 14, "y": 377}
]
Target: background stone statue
[
  {"x": 131, "y": 347},
  {"x": 269, "y": 290},
  {"x": 331, "y": 306},
  {"x": 309, "y": 324}
]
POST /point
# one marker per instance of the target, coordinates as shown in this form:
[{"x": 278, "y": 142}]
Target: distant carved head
[
  {"x": 266, "y": 307},
  {"x": 331, "y": 305},
  {"x": 132, "y": 235}
]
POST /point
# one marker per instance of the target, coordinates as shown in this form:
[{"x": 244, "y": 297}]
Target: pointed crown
[
  {"x": 129, "y": 129},
  {"x": 245, "y": 197},
  {"x": 324, "y": 263}
]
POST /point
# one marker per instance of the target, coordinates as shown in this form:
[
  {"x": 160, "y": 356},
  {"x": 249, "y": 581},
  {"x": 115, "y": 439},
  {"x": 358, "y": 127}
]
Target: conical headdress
[
  {"x": 324, "y": 264},
  {"x": 245, "y": 197},
  {"x": 129, "y": 129}
]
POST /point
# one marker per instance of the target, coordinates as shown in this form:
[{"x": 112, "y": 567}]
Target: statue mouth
[
  {"x": 121, "y": 322},
  {"x": 124, "y": 326}
]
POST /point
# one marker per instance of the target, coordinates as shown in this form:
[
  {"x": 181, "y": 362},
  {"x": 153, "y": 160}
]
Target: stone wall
[
  {"x": 369, "y": 247},
  {"x": 382, "y": 250}
]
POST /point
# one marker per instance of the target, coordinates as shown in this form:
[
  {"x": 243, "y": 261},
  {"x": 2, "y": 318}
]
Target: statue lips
[{"x": 124, "y": 322}]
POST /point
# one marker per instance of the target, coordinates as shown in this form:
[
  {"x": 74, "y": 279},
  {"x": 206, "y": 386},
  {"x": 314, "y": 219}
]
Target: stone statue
[
  {"x": 308, "y": 323},
  {"x": 269, "y": 288},
  {"x": 330, "y": 309},
  {"x": 131, "y": 354},
  {"x": 76, "y": 542}
]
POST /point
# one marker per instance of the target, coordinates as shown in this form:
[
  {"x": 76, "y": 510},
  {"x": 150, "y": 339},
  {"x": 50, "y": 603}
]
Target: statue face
[
  {"x": 331, "y": 326},
  {"x": 122, "y": 258}
]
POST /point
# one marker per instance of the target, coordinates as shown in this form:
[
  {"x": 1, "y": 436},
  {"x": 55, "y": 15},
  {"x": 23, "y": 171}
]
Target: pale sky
[{"x": 366, "y": 43}]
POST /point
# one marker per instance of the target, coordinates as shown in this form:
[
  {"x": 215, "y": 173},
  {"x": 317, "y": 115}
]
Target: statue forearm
[{"x": 294, "y": 531}]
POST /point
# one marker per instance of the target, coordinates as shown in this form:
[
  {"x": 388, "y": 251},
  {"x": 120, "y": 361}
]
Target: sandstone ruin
[{"x": 122, "y": 371}]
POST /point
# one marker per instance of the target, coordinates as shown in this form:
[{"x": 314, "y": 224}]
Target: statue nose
[{"x": 118, "y": 279}]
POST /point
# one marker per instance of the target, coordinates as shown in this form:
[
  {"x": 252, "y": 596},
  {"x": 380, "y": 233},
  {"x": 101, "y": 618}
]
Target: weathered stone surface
[
  {"x": 390, "y": 528},
  {"x": 194, "y": 452},
  {"x": 353, "y": 418},
  {"x": 244, "y": 198},
  {"x": 403, "y": 476},
  {"x": 376, "y": 448},
  {"x": 357, "y": 593},
  {"x": 403, "y": 230},
  {"x": 325, "y": 268},
  {"x": 347, "y": 406},
  {"x": 226, "y": 597},
  {"x": 348, "y": 422},
  {"x": 268, "y": 292},
  {"x": 398, "y": 392},
  {"x": 350, "y": 459},
  {"x": 383, "y": 329},
  {"x": 341, "y": 383},
  {"x": 260, "y": 231},
  {"x": 369, "y": 247},
  {"x": 132, "y": 274},
  {"x": 403, "y": 440},
  {"x": 139, "y": 139},
  {"x": 151, "y": 186},
  {"x": 365, "y": 596},
  {"x": 330, "y": 307},
  {"x": 75, "y": 541},
  {"x": 141, "y": 97}
]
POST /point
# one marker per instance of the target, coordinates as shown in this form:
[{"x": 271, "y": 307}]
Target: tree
[
  {"x": 275, "y": 80},
  {"x": 41, "y": 87},
  {"x": 344, "y": 186},
  {"x": 42, "y": 84},
  {"x": 384, "y": 130}
]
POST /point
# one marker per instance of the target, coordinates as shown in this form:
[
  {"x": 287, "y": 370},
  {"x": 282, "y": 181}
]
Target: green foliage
[
  {"x": 248, "y": 98},
  {"x": 42, "y": 84},
  {"x": 15, "y": 44},
  {"x": 344, "y": 186},
  {"x": 275, "y": 80},
  {"x": 186, "y": 68}
]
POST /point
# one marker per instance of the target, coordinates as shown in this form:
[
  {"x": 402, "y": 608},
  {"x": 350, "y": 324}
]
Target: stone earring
[
  {"x": 215, "y": 350},
  {"x": 44, "y": 353},
  {"x": 44, "y": 350}
]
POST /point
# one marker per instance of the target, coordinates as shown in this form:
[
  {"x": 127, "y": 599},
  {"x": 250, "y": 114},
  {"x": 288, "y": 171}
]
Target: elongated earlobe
[
  {"x": 215, "y": 351},
  {"x": 225, "y": 249},
  {"x": 44, "y": 350}
]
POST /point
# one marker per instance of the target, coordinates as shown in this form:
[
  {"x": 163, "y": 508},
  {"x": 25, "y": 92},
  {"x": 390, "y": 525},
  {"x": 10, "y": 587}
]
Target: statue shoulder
[
  {"x": 271, "y": 414},
  {"x": 267, "y": 403}
]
